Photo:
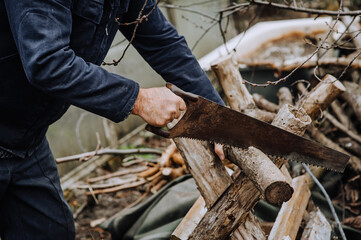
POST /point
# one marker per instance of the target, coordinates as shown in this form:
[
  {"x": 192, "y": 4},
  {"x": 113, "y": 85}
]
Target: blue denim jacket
[{"x": 50, "y": 54}]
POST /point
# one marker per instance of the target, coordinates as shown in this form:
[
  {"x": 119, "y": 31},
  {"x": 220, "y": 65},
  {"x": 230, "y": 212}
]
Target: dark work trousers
[{"x": 32, "y": 204}]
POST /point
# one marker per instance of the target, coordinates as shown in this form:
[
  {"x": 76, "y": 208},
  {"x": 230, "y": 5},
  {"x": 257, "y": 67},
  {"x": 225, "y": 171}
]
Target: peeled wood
[
  {"x": 118, "y": 188},
  {"x": 290, "y": 215},
  {"x": 317, "y": 227},
  {"x": 320, "y": 97}
]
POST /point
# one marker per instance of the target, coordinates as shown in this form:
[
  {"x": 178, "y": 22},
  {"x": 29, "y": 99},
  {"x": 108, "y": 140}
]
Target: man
[{"x": 49, "y": 59}]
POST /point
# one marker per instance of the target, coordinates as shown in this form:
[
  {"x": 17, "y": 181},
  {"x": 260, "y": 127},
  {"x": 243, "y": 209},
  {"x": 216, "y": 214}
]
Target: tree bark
[{"x": 353, "y": 97}]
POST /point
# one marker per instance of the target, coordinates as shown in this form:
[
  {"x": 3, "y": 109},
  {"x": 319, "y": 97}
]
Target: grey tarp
[{"x": 158, "y": 216}]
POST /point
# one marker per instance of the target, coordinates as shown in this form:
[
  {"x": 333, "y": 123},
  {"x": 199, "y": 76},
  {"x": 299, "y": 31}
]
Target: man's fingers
[
  {"x": 182, "y": 106},
  {"x": 218, "y": 148}
]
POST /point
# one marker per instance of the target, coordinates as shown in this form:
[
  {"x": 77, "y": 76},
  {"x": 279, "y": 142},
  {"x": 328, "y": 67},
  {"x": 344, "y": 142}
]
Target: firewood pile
[{"x": 323, "y": 112}]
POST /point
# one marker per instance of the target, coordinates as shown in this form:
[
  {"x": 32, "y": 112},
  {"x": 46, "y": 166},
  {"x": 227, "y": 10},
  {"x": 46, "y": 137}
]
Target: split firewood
[
  {"x": 317, "y": 227},
  {"x": 290, "y": 215},
  {"x": 263, "y": 103},
  {"x": 284, "y": 96},
  {"x": 177, "y": 159},
  {"x": 226, "y": 208},
  {"x": 353, "y": 97},
  {"x": 152, "y": 177},
  {"x": 190, "y": 220}
]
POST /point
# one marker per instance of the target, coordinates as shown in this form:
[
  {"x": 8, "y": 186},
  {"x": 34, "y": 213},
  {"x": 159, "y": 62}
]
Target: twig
[
  {"x": 340, "y": 126},
  {"x": 110, "y": 151},
  {"x": 115, "y": 189},
  {"x": 328, "y": 200},
  {"x": 117, "y": 174},
  {"x": 296, "y": 9},
  {"x": 304, "y": 62}
]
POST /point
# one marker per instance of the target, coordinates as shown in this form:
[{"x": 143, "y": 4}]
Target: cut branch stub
[
  {"x": 320, "y": 97},
  {"x": 231, "y": 80}
]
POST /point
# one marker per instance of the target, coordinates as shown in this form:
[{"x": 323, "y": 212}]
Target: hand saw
[{"x": 209, "y": 121}]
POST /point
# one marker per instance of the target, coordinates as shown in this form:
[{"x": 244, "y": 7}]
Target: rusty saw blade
[{"x": 209, "y": 121}]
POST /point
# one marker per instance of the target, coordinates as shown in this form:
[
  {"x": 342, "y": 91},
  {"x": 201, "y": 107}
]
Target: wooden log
[
  {"x": 207, "y": 170},
  {"x": 284, "y": 96},
  {"x": 231, "y": 80},
  {"x": 353, "y": 97},
  {"x": 272, "y": 184},
  {"x": 172, "y": 173},
  {"x": 317, "y": 227},
  {"x": 158, "y": 186},
  {"x": 321, "y": 96},
  {"x": 263, "y": 103},
  {"x": 290, "y": 215}
]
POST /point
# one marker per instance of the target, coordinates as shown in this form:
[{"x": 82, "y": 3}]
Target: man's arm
[
  {"x": 41, "y": 29},
  {"x": 160, "y": 45}
]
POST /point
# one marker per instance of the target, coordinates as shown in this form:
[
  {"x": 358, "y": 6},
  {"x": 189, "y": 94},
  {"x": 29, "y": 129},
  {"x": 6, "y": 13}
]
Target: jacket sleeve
[
  {"x": 41, "y": 30},
  {"x": 168, "y": 53}
]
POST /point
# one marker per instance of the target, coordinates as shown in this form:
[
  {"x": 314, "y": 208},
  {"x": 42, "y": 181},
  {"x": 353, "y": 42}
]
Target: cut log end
[{"x": 278, "y": 192}]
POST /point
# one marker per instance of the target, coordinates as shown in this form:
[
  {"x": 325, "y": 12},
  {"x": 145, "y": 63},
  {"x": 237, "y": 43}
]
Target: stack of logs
[{"x": 224, "y": 208}]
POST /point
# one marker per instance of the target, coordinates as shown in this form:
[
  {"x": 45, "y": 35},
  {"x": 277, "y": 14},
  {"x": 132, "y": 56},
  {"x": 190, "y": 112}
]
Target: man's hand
[
  {"x": 218, "y": 148},
  {"x": 158, "y": 106}
]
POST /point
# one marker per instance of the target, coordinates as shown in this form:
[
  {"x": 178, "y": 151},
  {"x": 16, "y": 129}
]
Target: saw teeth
[{"x": 270, "y": 156}]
